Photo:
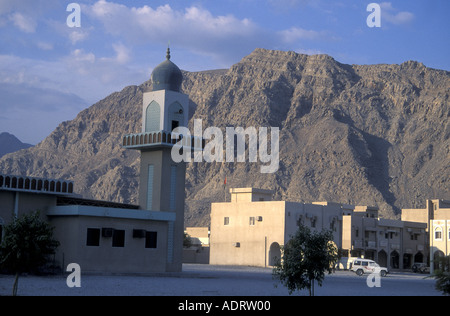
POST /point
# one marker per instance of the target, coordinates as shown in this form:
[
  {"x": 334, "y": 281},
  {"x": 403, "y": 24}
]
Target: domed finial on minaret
[{"x": 168, "y": 53}]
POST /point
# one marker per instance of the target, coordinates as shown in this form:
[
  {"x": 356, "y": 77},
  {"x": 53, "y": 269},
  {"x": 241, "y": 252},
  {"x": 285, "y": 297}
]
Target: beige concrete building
[
  {"x": 100, "y": 236},
  {"x": 198, "y": 252},
  {"x": 436, "y": 217},
  {"x": 251, "y": 228}
]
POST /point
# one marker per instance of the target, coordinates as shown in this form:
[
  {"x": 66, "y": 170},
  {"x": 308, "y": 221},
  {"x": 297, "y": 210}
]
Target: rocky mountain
[
  {"x": 10, "y": 143},
  {"x": 359, "y": 134}
]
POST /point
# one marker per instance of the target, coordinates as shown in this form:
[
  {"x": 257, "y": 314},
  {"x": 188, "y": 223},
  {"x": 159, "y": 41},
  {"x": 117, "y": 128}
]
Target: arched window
[
  {"x": 438, "y": 233},
  {"x": 70, "y": 187},
  {"x": 20, "y": 185},
  {"x": 14, "y": 183},
  {"x": 152, "y": 117}
]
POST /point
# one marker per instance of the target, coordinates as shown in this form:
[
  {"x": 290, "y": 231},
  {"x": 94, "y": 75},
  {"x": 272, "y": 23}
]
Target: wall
[
  {"x": 243, "y": 243},
  {"x": 27, "y": 202},
  {"x": 71, "y": 231}
]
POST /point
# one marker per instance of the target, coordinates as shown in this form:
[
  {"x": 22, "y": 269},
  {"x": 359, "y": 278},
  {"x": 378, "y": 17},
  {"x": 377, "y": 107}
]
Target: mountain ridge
[
  {"x": 10, "y": 143},
  {"x": 358, "y": 134}
]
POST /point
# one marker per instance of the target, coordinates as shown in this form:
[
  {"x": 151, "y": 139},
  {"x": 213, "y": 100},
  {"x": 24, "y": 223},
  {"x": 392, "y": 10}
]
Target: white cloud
[
  {"x": 23, "y": 22},
  {"x": 224, "y": 38},
  {"x": 25, "y": 14},
  {"x": 195, "y": 29},
  {"x": 31, "y": 88},
  {"x": 78, "y": 35},
  {"x": 122, "y": 53},
  {"x": 392, "y": 15}
]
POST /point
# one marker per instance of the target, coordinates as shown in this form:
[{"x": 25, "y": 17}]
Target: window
[
  {"x": 252, "y": 221},
  {"x": 226, "y": 221},
  {"x": 152, "y": 117},
  {"x": 93, "y": 237},
  {"x": 118, "y": 238},
  {"x": 151, "y": 239},
  {"x": 175, "y": 115},
  {"x": 175, "y": 124},
  {"x": 438, "y": 233}
]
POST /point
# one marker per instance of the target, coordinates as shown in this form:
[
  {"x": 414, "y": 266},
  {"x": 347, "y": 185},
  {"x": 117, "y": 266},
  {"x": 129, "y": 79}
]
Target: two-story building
[
  {"x": 252, "y": 228},
  {"x": 436, "y": 217}
]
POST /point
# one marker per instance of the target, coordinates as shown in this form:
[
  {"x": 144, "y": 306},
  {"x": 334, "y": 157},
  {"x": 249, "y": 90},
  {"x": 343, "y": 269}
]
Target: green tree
[
  {"x": 305, "y": 258},
  {"x": 187, "y": 241},
  {"x": 442, "y": 275},
  {"x": 26, "y": 245}
]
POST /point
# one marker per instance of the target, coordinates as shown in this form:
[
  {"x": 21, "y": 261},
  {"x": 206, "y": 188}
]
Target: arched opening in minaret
[{"x": 152, "y": 117}]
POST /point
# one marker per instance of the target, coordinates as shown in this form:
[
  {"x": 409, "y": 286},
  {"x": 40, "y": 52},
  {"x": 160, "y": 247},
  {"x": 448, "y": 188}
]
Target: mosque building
[{"x": 112, "y": 237}]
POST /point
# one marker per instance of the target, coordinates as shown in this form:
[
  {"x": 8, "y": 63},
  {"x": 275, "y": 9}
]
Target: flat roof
[
  {"x": 108, "y": 212},
  {"x": 66, "y": 200}
]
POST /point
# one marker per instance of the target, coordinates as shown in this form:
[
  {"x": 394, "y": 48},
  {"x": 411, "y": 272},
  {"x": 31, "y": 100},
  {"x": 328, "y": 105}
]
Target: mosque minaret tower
[{"x": 162, "y": 181}]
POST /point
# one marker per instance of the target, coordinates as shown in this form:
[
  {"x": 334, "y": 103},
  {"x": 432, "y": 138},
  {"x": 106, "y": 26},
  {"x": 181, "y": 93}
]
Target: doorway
[{"x": 274, "y": 254}]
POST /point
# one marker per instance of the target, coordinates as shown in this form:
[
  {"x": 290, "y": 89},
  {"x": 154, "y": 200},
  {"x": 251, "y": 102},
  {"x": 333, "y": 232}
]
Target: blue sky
[{"x": 49, "y": 71}]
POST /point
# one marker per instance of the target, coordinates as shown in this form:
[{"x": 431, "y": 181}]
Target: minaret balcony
[{"x": 158, "y": 139}]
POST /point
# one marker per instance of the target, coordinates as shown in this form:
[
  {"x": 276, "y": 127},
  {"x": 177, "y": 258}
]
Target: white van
[{"x": 361, "y": 266}]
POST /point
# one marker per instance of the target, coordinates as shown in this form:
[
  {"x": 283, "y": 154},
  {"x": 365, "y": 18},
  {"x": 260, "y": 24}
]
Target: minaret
[{"x": 162, "y": 181}]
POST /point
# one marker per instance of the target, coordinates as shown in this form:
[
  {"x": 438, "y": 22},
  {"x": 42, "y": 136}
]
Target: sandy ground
[{"x": 210, "y": 280}]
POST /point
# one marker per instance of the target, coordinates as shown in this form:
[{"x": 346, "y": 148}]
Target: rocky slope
[{"x": 367, "y": 135}]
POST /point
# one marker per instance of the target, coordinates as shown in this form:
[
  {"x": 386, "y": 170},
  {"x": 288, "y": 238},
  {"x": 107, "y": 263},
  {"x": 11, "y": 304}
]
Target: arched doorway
[
  {"x": 407, "y": 258},
  {"x": 382, "y": 258},
  {"x": 418, "y": 257},
  {"x": 395, "y": 260},
  {"x": 274, "y": 254}
]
